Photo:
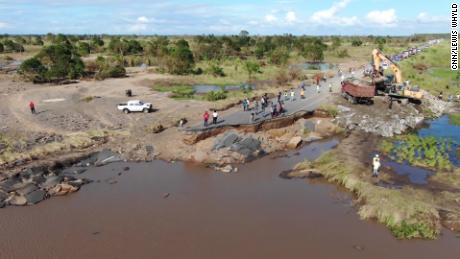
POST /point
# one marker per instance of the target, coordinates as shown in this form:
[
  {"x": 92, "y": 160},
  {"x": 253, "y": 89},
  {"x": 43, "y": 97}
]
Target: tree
[
  {"x": 84, "y": 48},
  {"x": 32, "y": 69},
  {"x": 180, "y": 60},
  {"x": 314, "y": 50},
  {"x": 1, "y": 48},
  {"x": 356, "y": 43},
  {"x": 38, "y": 41},
  {"x": 251, "y": 68},
  {"x": 380, "y": 41},
  {"x": 97, "y": 41},
  {"x": 11, "y": 46},
  {"x": 279, "y": 56},
  {"x": 336, "y": 42},
  {"x": 54, "y": 63},
  {"x": 109, "y": 68}
]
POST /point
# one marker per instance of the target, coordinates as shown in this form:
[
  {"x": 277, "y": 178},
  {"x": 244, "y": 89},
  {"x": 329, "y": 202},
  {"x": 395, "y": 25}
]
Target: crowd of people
[{"x": 265, "y": 107}]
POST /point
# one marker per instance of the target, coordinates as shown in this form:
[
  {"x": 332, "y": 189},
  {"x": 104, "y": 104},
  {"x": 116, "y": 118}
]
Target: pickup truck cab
[{"x": 135, "y": 106}]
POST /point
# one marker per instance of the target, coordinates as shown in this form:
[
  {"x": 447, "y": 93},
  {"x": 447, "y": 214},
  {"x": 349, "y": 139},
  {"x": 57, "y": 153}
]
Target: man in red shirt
[
  {"x": 32, "y": 107},
  {"x": 206, "y": 118}
]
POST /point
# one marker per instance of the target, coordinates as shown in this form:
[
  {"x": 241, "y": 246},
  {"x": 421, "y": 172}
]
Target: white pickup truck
[{"x": 135, "y": 106}]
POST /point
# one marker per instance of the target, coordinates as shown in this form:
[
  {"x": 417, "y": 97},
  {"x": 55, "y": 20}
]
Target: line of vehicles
[{"x": 374, "y": 82}]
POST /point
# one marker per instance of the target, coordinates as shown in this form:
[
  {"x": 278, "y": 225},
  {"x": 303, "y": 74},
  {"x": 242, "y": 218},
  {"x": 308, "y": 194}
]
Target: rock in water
[
  {"x": 106, "y": 156},
  {"x": 35, "y": 197},
  {"x": 27, "y": 189},
  {"x": 17, "y": 200},
  {"x": 52, "y": 181},
  {"x": 294, "y": 142}
]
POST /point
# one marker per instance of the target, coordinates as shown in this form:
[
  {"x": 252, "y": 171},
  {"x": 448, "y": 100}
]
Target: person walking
[
  {"x": 214, "y": 117},
  {"x": 32, "y": 107},
  {"x": 244, "y": 105},
  {"x": 292, "y": 95},
  {"x": 330, "y": 88},
  {"x": 286, "y": 97},
  {"x": 205, "y": 118},
  {"x": 248, "y": 104},
  {"x": 375, "y": 166},
  {"x": 264, "y": 104},
  {"x": 317, "y": 89},
  {"x": 279, "y": 96},
  {"x": 302, "y": 94}
]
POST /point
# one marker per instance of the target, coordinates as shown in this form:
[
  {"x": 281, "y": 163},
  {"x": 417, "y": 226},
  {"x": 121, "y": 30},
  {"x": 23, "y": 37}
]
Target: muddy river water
[{"x": 180, "y": 210}]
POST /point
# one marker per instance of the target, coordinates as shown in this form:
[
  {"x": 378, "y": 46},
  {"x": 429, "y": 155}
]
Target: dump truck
[{"x": 358, "y": 91}]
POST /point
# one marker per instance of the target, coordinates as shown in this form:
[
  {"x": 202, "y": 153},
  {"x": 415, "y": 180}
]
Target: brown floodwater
[{"x": 250, "y": 214}]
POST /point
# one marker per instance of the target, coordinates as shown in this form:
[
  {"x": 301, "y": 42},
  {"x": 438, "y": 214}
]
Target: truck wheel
[
  {"x": 145, "y": 110},
  {"x": 126, "y": 111}
]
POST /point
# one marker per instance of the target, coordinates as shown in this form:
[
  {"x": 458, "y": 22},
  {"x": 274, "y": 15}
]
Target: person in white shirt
[
  {"x": 214, "y": 117},
  {"x": 375, "y": 166}
]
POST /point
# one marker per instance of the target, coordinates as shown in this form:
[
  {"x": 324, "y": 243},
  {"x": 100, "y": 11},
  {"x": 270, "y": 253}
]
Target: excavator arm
[{"x": 378, "y": 57}]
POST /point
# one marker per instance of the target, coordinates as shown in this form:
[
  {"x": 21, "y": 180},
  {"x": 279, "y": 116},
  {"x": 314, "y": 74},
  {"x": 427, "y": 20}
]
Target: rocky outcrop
[
  {"x": 33, "y": 185},
  {"x": 230, "y": 147},
  {"x": 294, "y": 142}
]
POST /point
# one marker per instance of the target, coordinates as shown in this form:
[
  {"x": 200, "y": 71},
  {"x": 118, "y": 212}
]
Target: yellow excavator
[{"x": 396, "y": 87}]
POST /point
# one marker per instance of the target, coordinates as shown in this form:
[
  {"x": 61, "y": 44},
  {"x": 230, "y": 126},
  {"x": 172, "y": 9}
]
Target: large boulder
[
  {"x": 17, "y": 200},
  {"x": 106, "y": 156},
  {"x": 227, "y": 140},
  {"x": 35, "y": 197}
]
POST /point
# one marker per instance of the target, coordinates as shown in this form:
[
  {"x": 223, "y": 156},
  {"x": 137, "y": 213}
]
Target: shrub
[
  {"x": 183, "y": 92},
  {"x": 216, "y": 71},
  {"x": 84, "y": 48},
  {"x": 11, "y": 46},
  {"x": 32, "y": 69},
  {"x": 282, "y": 77},
  {"x": 343, "y": 53},
  {"x": 356, "y": 43},
  {"x": 216, "y": 95},
  {"x": 295, "y": 73},
  {"x": 1, "y": 48},
  {"x": 180, "y": 60},
  {"x": 279, "y": 56}
]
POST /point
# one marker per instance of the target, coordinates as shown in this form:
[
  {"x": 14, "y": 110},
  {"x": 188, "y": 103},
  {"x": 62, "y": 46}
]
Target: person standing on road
[
  {"x": 330, "y": 88},
  {"x": 205, "y": 118},
  {"x": 32, "y": 107},
  {"x": 245, "y": 106},
  {"x": 214, "y": 117},
  {"x": 317, "y": 88},
  {"x": 375, "y": 166},
  {"x": 286, "y": 97},
  {"x": 302, "y": 94},
  {"x": 279, "y": 96},
  {"x": 292, "y": 95}
]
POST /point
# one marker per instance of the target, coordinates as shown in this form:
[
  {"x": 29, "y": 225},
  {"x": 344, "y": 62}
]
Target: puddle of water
[
  {"x": 316, "y": 66},
  {"x": 183, "y": 210},
  {"x": 416, "y": 175},
  {"x": 201, "y": 89}
]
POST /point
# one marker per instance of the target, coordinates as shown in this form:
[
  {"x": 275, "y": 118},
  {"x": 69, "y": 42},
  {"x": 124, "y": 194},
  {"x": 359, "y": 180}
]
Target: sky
[{"x": 258, "y": 17}]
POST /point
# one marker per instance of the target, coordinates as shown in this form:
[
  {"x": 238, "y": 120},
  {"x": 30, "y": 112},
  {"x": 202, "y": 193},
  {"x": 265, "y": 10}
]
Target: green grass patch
[
  {"x": 429, "y": 152},
  {"x": 454, "y": 119},
  {"x": 436, "y": 75}
]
